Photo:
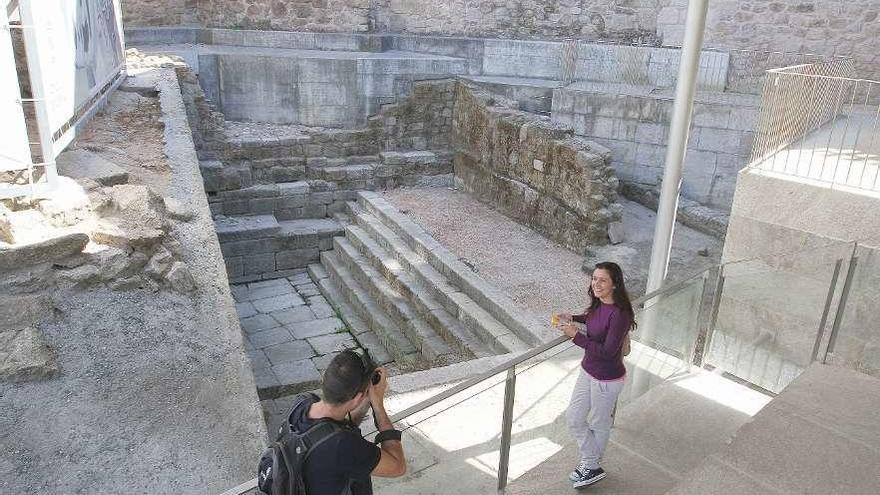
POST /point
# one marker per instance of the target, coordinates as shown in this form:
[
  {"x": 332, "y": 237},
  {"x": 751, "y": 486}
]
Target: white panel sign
[
  {"x": 74, "y": 50},
  {"x": 14, "y": 150}
]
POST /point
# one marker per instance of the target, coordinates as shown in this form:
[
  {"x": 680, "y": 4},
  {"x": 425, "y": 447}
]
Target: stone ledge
[
  {"x": 42, "y": 252},
  {"x": 82, "y": 164}
]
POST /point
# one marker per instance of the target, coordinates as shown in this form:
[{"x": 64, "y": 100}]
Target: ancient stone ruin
[{"x": 268, "y": 183}]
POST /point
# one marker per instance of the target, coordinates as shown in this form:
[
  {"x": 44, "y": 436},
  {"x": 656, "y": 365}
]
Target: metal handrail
[
  {"x": 513, "y": 362},
  {"x": 506, "y": 366}
]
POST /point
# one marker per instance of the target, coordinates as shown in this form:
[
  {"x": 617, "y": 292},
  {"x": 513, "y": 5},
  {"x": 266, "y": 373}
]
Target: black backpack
[{"x": 281, "y": 466}]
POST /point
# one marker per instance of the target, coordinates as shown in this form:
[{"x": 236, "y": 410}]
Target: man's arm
[{"x": 392, "y": 462}]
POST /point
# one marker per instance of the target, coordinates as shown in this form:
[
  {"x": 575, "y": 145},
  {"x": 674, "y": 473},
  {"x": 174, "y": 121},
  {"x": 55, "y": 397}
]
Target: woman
[{"x": 608, "y": 319}]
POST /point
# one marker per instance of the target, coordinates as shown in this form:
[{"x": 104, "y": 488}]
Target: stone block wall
[
  {"x": 260, "y": 248},
  {"x": 534, "y": 170},
  {"x": 635, "y": 128},
  {"x": 422, "y": 122},
  {"x": 204, "y": 121},
  {"x": 339, "y": 92}
]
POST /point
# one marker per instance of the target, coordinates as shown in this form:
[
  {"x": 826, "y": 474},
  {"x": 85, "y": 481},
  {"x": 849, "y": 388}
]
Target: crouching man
[{"x": 345, "y": 462}]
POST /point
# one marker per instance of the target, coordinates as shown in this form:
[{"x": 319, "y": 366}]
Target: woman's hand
[{"x": 569, "y": 330}]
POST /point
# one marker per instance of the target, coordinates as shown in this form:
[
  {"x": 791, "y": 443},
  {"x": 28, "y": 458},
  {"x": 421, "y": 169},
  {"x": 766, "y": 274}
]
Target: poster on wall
[
  {"x": 75, "y": 51},
  {"x": 14, "y": 150}
]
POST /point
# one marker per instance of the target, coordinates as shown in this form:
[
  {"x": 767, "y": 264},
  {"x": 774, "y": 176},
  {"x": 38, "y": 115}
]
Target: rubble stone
[
  {"x": 159, "y": 264},
  {"x": 177, "y": 210},
  {"x": 81, "y": 276},
  {"x": 24, "y": 355},
  {"x": 180, "y": 278}
]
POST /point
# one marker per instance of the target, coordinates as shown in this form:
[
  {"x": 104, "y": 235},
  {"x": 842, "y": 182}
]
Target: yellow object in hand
[{"x": 554, "y": 320}]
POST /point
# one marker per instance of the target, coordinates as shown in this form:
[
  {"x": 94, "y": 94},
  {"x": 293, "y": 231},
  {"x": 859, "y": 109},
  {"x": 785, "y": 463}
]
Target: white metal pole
[
  {"x": 39, "y": 92},
  {"x": 678, "y": 135},
  {"x": 675, "y": 150}
]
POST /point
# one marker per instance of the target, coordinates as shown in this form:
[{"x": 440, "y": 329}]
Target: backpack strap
[{"x": 319, "y": 433}]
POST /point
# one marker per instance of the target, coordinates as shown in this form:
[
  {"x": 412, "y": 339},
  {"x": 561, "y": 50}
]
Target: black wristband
[{"x": 387, "y": 435}]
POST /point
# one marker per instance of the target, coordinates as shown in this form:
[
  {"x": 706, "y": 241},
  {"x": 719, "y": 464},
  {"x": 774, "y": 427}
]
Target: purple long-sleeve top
[{"x": 603, "y": 342}]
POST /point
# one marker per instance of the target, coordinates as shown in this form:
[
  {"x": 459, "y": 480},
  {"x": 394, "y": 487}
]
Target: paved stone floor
[{"x": 291, "y": 334}]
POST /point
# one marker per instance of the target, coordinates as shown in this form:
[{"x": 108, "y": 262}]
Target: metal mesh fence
[{"x": 817, "y": 122}]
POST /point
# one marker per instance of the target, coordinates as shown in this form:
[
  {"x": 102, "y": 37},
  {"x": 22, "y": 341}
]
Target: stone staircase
[{"x": 394, "y": 284}]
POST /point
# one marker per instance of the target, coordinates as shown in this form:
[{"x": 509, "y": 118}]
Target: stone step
[
  {"x": 434, "y": 349},
  {"x": 246, "y": 228},
  {"x": 392, "y": 338},
  {"x": 488, "y": 330},
  {"x": 286, "y": 200},
  {"x": 364, "y": 171},
  {"x": 419, "y": 297},
  {"x": 311, "y": 232},
  {"x": 217, "y": 177},
  {"x": 499, "y": 305},
  {"x": 365, "y": 337},
  {"x": 318, "y": 162}
]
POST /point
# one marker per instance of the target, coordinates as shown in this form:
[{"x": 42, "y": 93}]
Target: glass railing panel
[
  {"x": 543, "y": 390},
  {"x": 769, "y": 313},
  {"x": 663, "y": 343},
  {"x": 856, "y": 343},
  {"x": 442, "y": 441}
]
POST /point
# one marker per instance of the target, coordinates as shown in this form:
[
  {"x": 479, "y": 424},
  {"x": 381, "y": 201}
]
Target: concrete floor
[{"x": 845, "y": 152}]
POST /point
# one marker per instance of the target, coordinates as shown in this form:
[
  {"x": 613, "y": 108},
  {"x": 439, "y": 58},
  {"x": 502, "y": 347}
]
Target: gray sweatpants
[{"x": 589, "y": 415}]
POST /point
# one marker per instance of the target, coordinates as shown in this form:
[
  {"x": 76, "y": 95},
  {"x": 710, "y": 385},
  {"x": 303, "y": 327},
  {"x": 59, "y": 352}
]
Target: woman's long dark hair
[{"x": 618, "y": 294}]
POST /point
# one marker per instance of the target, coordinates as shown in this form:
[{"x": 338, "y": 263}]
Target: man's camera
[{"x": 370, "y": 368}]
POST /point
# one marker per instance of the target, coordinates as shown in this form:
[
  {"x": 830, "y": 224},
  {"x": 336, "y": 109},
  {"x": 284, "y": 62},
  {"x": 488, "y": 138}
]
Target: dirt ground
[{"x": 129, "y": 133}]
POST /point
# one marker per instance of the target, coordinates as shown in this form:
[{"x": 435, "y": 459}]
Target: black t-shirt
[{"x": 344, "y": 458}]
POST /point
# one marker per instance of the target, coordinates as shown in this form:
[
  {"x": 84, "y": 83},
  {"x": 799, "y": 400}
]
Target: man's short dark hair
[{"x": 346, "y": 375}]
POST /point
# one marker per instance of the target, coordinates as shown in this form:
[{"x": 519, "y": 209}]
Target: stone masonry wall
[
  {"x": 628, "y": 20},
  {"x": 159, "y": 12},
  {"x": 593, "y": 19},
  {"x": 828, "y": 27},
  {"x": 290, "y": 15},
  {"x": 533, "y": 170}
]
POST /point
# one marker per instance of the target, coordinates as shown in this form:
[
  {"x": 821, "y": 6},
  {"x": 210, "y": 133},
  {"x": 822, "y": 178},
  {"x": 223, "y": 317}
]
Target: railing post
[
  {"x": 841, "y": 306},
  {"x": 832, "y": 288},
  {"x": 713, "y": 315},
  {"x": 506, "y": 427}
]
